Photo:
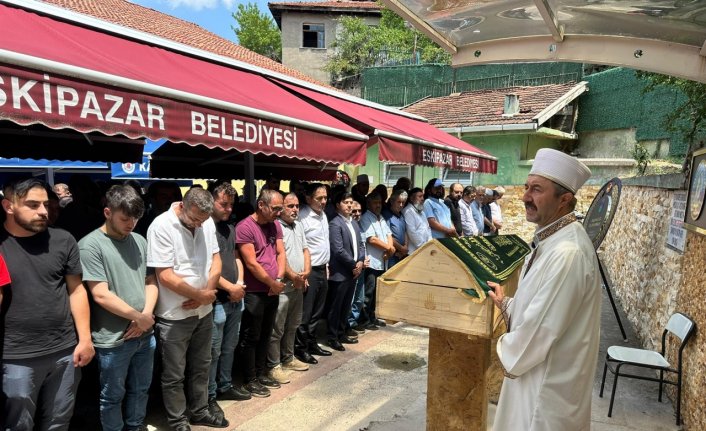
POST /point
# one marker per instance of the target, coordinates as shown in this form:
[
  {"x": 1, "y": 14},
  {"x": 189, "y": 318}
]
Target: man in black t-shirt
[
  {"x": 228, "y": 307},
  {"x": 46, "y": 314}
]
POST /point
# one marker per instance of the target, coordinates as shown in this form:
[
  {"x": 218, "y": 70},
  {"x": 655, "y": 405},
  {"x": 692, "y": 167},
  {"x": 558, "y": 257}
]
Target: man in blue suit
[{"x": 345, "y": 266}]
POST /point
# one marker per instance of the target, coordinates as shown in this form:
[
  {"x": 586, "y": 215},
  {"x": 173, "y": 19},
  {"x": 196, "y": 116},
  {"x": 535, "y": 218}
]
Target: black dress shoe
[
  {"x": 358, "y": 329},
  {"x": 209, "y": 420},
  {"x": 348, "y": 340},
  {"x": 371, "y": 327},
  {"x": 350, "y": 332},
  {"x": 257, "y": 389},
  {"x": 336, "y": 345},
  {"x": 314, "y": 349},
  {"x": 305, "y": 357},
  {"x": 380, "y": 323},
  {"x": 182, "y": 427},
  {"x": 234, "y": 393}
]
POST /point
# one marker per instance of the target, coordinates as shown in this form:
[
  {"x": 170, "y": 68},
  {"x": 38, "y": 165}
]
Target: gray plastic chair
[{"x": 679, "y": 326}]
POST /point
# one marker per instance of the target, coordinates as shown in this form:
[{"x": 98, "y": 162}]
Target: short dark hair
[
  {"x": 124, "y": 198},
  {"x": 469, "y": 190},
  {"x": 222, "y": 186},
  {"x": 19, "y": 188},
  {"x": 374, "y": 196},
  {"x": 312, "y": 188},
  {"x": 341, "y": 196},
  {"x": 415, "y": 190}
]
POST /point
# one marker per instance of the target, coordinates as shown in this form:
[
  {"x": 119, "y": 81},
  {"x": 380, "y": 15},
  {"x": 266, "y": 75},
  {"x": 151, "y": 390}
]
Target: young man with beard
[
  {"x": 280, "y": 353},
  {"x": 551, "y": 346},
  {"x": 228, "y": 307},
  {"x": 259, "y": 241},
  {"x": 114, "y": 261},
  {"x": 46, "y": 314},
  {"x": 418, "y": 230},
  {"x": 437, "y": 213}
]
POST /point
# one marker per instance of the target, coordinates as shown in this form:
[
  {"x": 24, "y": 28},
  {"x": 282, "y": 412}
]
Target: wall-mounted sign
[
  {"x": 695, "y": 216},
  {"x": 676, "y": 236}
]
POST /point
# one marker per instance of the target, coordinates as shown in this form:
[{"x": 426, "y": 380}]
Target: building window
[
  {"x": 313, "y": 36},
  {"x": 450, "y": 176},
  {"x": 393, "y": 172}
]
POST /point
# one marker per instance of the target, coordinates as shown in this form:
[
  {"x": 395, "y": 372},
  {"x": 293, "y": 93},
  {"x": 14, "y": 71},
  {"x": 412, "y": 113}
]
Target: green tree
[
  {"x": 359, "y": 45},
  {"x": 689, "y": 118},
  {"x": 257, "y": 31}
]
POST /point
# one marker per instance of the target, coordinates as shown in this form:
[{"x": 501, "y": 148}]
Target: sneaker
[
  {"x": 234, "y": 393},
  {"x": 269, "y": 382},
  {"x": 209, "y": 420},
  {"x": 256, "y": 389},
  {"x": 279, "y": 375},
  {"x": 295, "y": 365},
  {"x": 359, "y": 329},
  {"x": 214, "y": 409}
]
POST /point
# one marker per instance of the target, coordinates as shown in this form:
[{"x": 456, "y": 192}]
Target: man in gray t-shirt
[
  {"x": 280, "y": 353},
  {"x": 113, "y": 259}
]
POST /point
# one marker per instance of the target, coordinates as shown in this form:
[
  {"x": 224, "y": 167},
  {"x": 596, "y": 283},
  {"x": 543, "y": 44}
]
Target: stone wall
[
  {"x": 652, "y": 281},
  {"x": 513, "y": 209}
]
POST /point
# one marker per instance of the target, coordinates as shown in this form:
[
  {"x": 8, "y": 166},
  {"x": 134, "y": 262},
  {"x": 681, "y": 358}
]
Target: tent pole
[{"x": 249, "y": 189}]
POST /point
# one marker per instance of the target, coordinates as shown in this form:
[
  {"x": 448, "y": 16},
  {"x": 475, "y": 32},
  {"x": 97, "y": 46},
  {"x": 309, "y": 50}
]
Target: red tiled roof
[
  {"x": 148, "y": 20},
  {"x": 485, "y": 107},
  {"x": 362, "y": 4}
]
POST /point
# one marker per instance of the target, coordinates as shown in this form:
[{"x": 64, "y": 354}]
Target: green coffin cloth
[{"x": 488, "y": 258}]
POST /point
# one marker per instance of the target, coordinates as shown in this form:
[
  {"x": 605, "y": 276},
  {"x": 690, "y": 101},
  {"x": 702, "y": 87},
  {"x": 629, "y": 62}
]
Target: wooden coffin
[{"x": 426, "y": 289}]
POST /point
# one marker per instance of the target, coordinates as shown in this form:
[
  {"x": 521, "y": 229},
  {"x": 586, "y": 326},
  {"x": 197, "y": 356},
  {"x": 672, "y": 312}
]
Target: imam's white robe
[{"x": 552, "y": 346}]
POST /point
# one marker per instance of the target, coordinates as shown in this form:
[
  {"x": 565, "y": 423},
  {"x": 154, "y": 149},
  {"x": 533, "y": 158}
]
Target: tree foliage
[
  {"x": 359, "y": 45},
  {"x": 257, "y": 31},
  {"x": 689, "y": 118}
]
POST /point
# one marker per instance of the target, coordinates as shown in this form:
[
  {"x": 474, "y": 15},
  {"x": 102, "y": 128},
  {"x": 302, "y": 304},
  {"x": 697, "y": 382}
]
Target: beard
[
  {"x": 36, "y": 226},
  {"x": 418, "y": 207}
]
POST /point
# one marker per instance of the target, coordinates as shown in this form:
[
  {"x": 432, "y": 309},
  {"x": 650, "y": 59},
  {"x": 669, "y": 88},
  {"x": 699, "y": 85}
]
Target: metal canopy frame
[{"x": 664, "y": 36}]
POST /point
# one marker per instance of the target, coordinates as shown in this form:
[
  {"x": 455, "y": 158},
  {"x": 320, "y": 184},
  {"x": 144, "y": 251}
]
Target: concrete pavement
[{"x": 379, "y": 384}]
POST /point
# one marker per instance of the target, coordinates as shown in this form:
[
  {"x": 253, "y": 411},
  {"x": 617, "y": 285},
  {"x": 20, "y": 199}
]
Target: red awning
[
  {"x": 403, "y": 139},
  {"x": 65, "y": 76}
]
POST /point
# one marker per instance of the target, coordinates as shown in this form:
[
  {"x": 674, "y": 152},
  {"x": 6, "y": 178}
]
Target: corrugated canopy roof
[{"x": 665, "y": 36}]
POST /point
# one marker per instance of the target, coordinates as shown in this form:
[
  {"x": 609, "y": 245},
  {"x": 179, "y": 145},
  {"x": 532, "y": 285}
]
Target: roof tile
[
  {"x": 485, "y": 107},
  {"x": 148, "y": 20}
]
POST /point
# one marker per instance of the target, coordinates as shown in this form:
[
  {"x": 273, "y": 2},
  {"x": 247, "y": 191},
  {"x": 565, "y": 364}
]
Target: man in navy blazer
[{"x": 345, "y": 266}]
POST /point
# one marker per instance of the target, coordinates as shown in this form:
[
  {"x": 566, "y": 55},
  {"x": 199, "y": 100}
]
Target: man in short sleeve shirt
[
  {"x": 114, "y": 260},
  {"x": 46, "y": 314},
  {"x": 259, "y": 241},
  {"x": 183, "y": 250}
]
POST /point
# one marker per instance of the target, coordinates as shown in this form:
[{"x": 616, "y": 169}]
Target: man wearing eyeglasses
[
  {"x": 259, "y": 241},
  {"x": 183, "y": 249}
]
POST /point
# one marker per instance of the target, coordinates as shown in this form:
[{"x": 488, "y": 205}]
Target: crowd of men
[{"x": 225, "y": 299}]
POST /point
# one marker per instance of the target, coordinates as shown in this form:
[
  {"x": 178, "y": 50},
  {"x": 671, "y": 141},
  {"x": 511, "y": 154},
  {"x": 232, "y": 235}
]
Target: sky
[{"x": 213, "y": 15}]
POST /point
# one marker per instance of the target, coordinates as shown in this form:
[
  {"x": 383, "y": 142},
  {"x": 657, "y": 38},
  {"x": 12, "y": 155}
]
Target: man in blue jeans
[
  {"x": 228, "y": 307},
  {"x": 113, "y": 259}
]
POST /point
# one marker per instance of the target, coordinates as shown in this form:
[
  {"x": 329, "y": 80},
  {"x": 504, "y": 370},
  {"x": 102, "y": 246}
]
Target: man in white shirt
[
  {"x": 468, "y": 223},
  {"x": 315, "y": 223},
  {"x": 550, "y": 350},
  {"x": 496, "y": 213},
  {"x": 418, "y": 231},
  {"x": 183, "y": 249}
]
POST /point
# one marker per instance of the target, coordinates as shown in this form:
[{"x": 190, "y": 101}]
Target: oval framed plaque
[
  {"x": 602, "y": 210},
  {"x": 698, "y": 191}
]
